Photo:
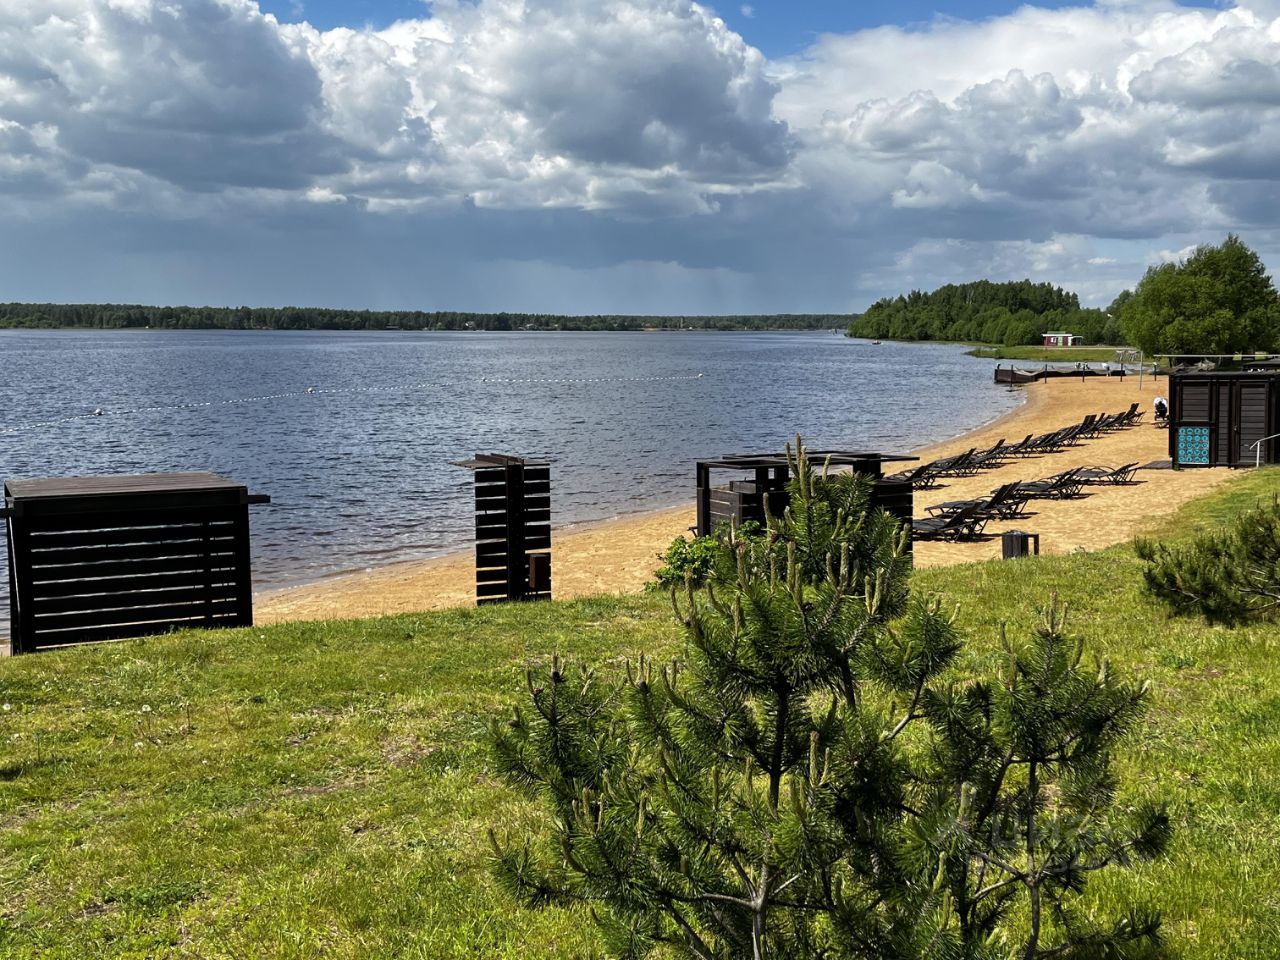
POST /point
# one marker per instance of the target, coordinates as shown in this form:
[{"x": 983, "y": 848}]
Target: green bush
[
  {"x": 1228, "y": 577},
  {"x": 694, "y": 561}
]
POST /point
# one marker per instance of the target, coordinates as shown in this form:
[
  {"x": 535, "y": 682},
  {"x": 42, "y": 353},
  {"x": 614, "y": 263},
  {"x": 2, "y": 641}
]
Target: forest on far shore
[
  {"x": 105, "y": 316},
  {"x": 1218, "y": 300}
]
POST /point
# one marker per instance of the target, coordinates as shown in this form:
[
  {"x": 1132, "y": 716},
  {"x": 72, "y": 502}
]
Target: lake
[{"x": 351, "y": 433}]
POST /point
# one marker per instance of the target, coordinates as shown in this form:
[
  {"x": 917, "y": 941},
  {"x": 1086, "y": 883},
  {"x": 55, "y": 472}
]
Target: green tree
[
  {"x": 803, "y": 782},
  {"x": 1219, "y": 300}
]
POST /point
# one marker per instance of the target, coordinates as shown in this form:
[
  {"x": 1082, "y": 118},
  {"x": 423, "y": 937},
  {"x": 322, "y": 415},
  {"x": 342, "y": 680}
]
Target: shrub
[
  {"x": 1228, "y": 577},
  {"x": 694, "y": 561}
]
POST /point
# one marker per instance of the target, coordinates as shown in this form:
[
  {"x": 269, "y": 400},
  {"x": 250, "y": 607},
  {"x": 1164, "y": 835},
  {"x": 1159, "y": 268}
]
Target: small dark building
[
  {"x": 768, "y": 474},
  {"x": 1225, "y": 419}
]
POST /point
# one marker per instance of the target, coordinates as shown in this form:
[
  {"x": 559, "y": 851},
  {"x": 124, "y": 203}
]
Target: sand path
[{"x": 619, "y": 556}]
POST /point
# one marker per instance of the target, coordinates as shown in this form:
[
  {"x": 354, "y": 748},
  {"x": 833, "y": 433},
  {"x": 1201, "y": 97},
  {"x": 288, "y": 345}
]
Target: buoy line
[{"x": 318, "y": 391}]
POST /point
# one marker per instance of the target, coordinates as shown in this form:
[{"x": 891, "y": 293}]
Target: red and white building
[{"x": 1060, "y": 339}]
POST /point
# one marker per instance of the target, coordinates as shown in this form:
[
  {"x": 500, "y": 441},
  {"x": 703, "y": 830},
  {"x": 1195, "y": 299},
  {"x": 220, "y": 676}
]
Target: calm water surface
[{"x": 358, "y": 471}]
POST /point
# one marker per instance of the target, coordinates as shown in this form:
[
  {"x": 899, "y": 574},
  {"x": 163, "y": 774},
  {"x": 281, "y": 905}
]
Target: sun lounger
[
  {"x": 1058, "y": 487},
  {"x": 922, "y": 477},
  {"x": 1119, "y": 475},
  {"x": 957, "y": 466},
  {"x": 1089, "y": 427},
  {"x": 994, "y": 456},
  {"x": 1054, "y": 442},
  {"x": 965, "y": 524},
  {"x": 1005, "y": 502},
  {"x": 1020, "y": 449}
]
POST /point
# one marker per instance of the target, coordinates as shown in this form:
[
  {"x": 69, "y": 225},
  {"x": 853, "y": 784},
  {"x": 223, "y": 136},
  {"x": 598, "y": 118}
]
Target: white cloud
[{"x": 624, "y": 133}]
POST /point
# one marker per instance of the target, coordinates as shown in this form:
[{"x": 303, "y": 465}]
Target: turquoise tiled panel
[{"x": 1193, "y": 445}]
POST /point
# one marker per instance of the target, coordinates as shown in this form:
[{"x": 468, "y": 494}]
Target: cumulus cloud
[
  {"x": 572, "y": 103},
  {"x": 645, "y": 138}
]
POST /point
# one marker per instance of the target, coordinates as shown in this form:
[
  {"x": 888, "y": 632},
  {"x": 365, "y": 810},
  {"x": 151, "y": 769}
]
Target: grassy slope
[{"x": 319, "y": 790}]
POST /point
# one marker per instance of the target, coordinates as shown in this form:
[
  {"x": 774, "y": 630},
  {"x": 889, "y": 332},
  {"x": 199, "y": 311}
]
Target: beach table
[{"x": 106, "y": 557}]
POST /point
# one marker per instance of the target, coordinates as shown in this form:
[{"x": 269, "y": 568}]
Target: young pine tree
[
  {"x": 802, "y": 784},
  {"x": 1230, "y": 576}
]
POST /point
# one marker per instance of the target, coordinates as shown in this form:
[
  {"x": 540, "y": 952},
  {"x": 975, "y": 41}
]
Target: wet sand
[{"x": 619, "y": 556}]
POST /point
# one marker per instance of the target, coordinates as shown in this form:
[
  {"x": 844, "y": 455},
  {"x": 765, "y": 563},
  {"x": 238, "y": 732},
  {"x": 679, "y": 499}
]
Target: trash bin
[{"x": 1018, "y": 543}]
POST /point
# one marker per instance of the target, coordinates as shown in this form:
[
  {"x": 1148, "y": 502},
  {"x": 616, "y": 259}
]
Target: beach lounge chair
[
  {"x": 1111, "y": 422},
  {"x": 1089, "y": 427},
  {"x": 1054, "y": 442},
  {"x": 957, "y": 466},
  {"x": 1005, "y": 502},
  {"x": 1058, "y": 487},
  {"x": 1119, "y": 475},
  {"x": 1133, "y": 416},
  {"x": 922, "y": 477},
  {"x": 1020, "y": 449},
  {"x": 994, "y": 456},
  {"x": 965, "y": 524}
]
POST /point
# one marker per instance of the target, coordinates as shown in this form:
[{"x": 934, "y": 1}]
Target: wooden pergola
[{"x": 768, "y": 474}]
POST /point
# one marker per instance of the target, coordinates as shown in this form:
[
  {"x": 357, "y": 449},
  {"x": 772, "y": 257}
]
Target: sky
[{"x": 624, "y": 156}]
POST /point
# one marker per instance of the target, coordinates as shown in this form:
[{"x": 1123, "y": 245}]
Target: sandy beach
[{"x": 619, "y": 556}]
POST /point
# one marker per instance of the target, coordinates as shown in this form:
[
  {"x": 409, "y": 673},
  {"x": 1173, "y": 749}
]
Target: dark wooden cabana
[
  {"x": 1224, "y": 418},
  {"x": 768, "y": 474},
  {"x": 100, "y": 558}
]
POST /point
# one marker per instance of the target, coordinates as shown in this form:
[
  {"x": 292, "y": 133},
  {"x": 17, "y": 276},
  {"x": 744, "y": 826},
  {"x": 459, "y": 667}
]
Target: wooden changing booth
[
  {"x": 1215, "y": 419},
  {"x": 101, "y": 558},
  {"x": 744, "y": 500},
  {"x": 513, "y": 527}
]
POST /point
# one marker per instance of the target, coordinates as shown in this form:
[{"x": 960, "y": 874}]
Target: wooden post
[
  {"x": 517, "y": 558},
  {"x": 703, "y": 521},
  {"x": 17, "y": 624}
]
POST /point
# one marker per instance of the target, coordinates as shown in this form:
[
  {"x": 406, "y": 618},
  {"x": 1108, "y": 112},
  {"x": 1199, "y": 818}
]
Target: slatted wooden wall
[
  {"x": 1235, "y": 409},
  {"x": 1254, "y": 423},
  {"x": 83, "y": 572},
  {"x": 897, "y": 498},
  {"x": 513, "y": 533}
]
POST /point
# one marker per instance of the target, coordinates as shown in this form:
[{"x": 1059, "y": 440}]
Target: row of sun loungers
[
  {"x": 965, "y": 519},
  {"x": 971, "y": 461}
]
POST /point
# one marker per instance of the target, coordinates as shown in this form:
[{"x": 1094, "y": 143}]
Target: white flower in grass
[
  {"x": 146, "y": 708},
  {"x": 8, "y": 707}
]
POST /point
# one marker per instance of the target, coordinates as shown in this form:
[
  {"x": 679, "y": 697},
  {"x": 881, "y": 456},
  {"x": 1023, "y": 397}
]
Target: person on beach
[{"x": 1161, "y": 406}]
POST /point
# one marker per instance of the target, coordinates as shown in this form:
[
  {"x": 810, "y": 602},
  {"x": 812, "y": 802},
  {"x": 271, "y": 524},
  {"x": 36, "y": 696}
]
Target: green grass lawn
[
  {"x": 322, "y": 790},
  {"x": 1047, "y": 354}
]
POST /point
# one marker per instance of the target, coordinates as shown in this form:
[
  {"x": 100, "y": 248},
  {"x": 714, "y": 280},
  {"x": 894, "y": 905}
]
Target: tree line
[
  {"x": 1218, "y": 300},
  {"x": 137, "y": 316},
  {"x": 1011, "y": 314}
]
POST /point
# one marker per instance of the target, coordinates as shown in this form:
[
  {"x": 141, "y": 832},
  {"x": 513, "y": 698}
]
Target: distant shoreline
[
  {"x": 113, "y": 316},
  {"x": 87, "y": 329}
]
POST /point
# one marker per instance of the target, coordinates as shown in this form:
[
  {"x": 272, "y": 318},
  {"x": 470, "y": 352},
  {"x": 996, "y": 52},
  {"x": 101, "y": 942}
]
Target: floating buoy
[
  {"x": 311, "y": 389},
  {"x": 97, "y": 411}
]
